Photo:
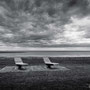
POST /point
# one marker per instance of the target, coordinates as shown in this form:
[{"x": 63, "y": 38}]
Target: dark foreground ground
[{"x": 76, "y": 78}]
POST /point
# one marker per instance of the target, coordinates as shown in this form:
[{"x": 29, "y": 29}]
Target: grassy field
[{"x": 77, "y": 78}]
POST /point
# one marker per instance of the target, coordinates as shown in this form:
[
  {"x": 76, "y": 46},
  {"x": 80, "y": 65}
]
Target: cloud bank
[{"x": 29, "y": 23}]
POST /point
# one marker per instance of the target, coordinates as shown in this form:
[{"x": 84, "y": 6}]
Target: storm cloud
[{"x": 44, "y": 22}]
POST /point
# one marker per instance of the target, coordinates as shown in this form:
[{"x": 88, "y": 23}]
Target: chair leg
[
  {"x": 19, "y": 67},
  {"x": 48, "y": 66}
]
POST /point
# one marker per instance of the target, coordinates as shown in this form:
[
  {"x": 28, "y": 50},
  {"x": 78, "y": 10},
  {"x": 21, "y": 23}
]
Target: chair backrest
[
  {"x": 46, "y": 60},
  {"x": 18, "y": 60}
]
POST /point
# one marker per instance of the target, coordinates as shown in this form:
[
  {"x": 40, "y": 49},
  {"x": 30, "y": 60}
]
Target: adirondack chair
[
  {"x": 48, "y": 62},
  {"x": 19, "y": 63}
]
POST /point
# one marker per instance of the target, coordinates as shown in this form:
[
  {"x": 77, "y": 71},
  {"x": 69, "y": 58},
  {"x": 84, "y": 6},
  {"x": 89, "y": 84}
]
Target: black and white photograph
[{"x": 44, "y": 44}]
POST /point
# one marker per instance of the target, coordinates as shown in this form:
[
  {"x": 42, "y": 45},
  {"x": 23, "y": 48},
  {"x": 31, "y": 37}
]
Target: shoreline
[{"x": 44, "y": 53}]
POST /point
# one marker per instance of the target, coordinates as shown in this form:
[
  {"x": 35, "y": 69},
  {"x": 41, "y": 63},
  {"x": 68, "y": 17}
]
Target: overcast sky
[{"x": 32, "y": 23}]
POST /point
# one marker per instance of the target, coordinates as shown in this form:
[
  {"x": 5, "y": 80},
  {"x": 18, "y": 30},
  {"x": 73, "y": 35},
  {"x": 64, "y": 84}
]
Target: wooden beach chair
[
  {"x": 48, "y": 62},
  {"x": 19, "y": 63}
]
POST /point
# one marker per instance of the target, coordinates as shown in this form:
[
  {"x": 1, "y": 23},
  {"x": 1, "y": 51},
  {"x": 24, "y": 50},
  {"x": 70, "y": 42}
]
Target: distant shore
[
  {"x": 9, "y": 48},
  {"x": 44, "y": 53}
]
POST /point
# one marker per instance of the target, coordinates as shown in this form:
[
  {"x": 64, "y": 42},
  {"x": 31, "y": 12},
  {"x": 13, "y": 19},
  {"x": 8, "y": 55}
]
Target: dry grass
[{"x": 77, "y": 78}]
